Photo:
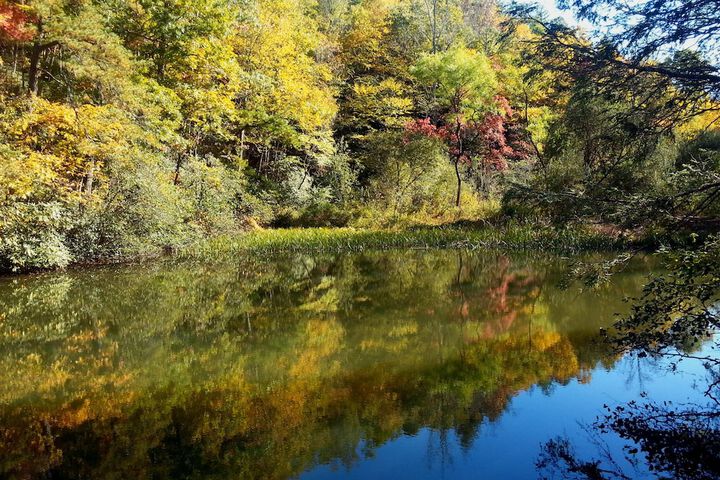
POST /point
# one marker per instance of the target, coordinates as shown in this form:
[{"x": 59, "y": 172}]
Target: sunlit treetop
[{"x": 460, "y": 78}]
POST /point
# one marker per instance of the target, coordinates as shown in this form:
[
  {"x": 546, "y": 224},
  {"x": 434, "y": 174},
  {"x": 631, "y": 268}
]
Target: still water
[{"x": 403, "y": 364}]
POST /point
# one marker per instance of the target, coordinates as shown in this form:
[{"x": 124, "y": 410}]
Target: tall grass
[{"x": 510, "y": 237}]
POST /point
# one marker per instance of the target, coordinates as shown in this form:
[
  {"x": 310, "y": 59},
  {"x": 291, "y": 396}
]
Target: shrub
[
  {"x": 36, "y": 212},
  {"x": 32, "y": 235}
]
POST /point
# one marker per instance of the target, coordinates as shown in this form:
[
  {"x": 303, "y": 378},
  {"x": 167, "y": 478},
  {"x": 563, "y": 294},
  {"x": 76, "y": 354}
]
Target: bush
[
  {"x": 36, "y": 212},
  {"x": 322, "y": 214},
  {"x": 407, "y": 176},
  {"x": 32, "y": 236},
  {"x": 138, "y": 213},
  {"x": 337, "y": 181}
]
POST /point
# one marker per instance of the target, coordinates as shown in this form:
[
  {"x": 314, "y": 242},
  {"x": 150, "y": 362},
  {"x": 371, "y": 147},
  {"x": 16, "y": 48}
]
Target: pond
[{"x": 400, "y": 364}]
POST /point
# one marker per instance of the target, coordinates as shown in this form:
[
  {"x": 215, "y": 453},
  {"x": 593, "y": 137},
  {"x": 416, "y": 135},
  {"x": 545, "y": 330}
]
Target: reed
[{"x": 508, "y": 237}]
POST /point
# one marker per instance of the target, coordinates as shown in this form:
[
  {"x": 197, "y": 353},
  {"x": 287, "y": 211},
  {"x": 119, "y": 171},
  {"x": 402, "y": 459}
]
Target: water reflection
[{"x": 265, "y": 369}]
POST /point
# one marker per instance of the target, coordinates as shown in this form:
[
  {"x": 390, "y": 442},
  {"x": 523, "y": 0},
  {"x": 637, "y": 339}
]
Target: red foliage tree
[
  {"x": 421, "y": 127},
  {"x": 485, "y": 143}
]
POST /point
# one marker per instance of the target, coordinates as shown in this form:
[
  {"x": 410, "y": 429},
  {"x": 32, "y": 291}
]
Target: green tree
[{"x": 460, "y": 91}]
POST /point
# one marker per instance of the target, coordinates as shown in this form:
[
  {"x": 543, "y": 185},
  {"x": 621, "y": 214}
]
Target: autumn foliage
[
  {"x": 487, "y": 141},
  {"x": 15, "y": 23}
]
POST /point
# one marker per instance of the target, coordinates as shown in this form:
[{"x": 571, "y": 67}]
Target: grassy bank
[
  {"x": 469, "y": 235},
  {"x": 510, "y": 237}
]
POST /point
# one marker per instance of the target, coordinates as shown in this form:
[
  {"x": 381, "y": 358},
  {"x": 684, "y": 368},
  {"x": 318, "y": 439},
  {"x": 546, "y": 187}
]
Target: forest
[
  {"x": 131, "y": 128},
  {"x": 152, "y": 131}
]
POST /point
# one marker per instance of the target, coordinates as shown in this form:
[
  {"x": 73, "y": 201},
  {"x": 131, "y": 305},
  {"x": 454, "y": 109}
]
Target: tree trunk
[
  {"x": 242, "y": 145},
  {"x": 160, "y": 72},
  {"x": 89, "y": 179},
  {"x": 434, "y": 27},
  {"x": 178, "y": 164},
  {"x": 459, "y": 182},
  {"x": 34, "y": 69}
]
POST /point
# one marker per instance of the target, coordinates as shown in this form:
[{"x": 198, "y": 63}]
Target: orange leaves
[{"x": 15, "y": 23}]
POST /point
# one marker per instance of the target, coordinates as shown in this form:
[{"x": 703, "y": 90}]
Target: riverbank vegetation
[
  {"x": 132, "y": 128},
  {"x": 524, "y": 237}
]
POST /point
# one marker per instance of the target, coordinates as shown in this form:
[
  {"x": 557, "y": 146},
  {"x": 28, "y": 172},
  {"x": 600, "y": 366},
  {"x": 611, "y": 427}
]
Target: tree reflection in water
[
  {"x": 264, "y": 369},
  {"x": 676, "y": 321}
]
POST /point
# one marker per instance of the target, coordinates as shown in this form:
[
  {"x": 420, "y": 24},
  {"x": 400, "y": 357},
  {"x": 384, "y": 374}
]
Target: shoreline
[{"x": 514, "y": 237}]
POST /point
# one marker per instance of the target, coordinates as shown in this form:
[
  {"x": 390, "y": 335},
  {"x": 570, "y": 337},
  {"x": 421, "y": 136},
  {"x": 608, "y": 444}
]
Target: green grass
[{"x": 512, "y": 237}]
